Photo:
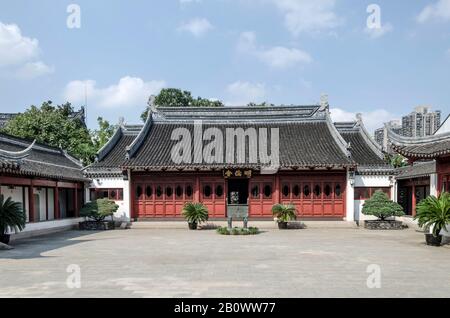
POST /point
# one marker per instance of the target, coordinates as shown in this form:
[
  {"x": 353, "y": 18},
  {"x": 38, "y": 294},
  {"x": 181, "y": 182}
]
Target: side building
[
  {"x": 46, "y": 181},
  {"x": 372, "y": 173}
]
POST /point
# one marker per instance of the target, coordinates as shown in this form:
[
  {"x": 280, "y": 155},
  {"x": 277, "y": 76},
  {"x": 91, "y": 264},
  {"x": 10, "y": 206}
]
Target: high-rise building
[{"x": 421, "y": 122}]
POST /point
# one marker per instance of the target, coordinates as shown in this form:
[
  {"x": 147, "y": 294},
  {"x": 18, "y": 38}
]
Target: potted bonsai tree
[
  {"x": 12, "y": 218},
  {"x": 434, "y": 214},
  {"x": 194, "y": 213},
  {"x": 284, "y": 213},
  {"x": 380, "y": 206},
  {"x": 97, "y": 211}
]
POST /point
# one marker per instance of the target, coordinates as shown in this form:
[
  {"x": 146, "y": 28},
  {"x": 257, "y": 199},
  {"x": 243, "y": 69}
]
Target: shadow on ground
[{"x": 34, "y": 247}]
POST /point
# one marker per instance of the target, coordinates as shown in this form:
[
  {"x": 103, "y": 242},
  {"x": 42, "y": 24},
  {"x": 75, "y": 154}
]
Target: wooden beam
[{"x": 31, "y": 203}]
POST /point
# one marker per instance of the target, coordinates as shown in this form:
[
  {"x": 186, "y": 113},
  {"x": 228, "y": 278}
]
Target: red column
[
  {"x": 31, "y": 203},
  {"x": 76, "y": 201},
  {"x": 197, "y": 188},
  {"x": 413, "y": 212},
  {"x": 56, "y": 202},
  {"x": 277, "y": 189}
]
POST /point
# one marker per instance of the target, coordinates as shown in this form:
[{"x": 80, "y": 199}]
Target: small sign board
[{"x": 238, "y": 173}]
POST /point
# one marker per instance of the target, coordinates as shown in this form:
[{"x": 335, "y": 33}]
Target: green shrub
[
  {"x": 434, "y": 212},
  {"x": 380, "y": 206},
  {"x": 284, "y": 212},
  {"x": 195, "y": 212},
  {"x": 238, "y": 231},
  {"x": 12, "y": 216},
  {"x": 99, "y": 209}
]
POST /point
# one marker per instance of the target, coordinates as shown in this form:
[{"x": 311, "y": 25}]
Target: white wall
[
  {"x": 350, "y": 194},
  {"x": 123, "y": 213},
  {"x": 16, "y": 195},
  {"x": 370, "y": 181}
]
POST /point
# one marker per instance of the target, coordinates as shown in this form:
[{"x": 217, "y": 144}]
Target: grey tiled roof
[
  {"x": 302, "y": 144},
  {"x": 112, "y": 155},
  {"x": 429, "y": 147},
  {"x": 363, "y": 149},
  {"x": 419, "y": 169},
  {"x": 38, "y": 160}
]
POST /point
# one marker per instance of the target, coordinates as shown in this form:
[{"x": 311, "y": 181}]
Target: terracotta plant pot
[
  {"x": 433, "y": 240},
  {"x": 282, "y": 225},
  {"x": 4, "y": 238},
  {"x": 192, "y": 226}
]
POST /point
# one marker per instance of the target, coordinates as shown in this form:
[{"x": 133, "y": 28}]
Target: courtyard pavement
[{"x": 175, "y": 262}]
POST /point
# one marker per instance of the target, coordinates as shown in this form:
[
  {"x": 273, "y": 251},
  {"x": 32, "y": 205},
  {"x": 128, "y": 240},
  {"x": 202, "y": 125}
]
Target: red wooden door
[
  {"x": 262, "y": 196},
  {"x": 213, "y": 195}
]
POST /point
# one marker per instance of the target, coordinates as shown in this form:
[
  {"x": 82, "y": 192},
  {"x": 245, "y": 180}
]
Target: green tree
[
  {"x": 53, "y": 125},
  {"x": 99, "y": 209},
  {"x": 12, "y": 216},
  {"x": 174, "y": 97},
  {"x": 434, "y": 212},
  {"x": 396, "y": 160},
  {"x": 102, "y": 135},
  {"x": 380, "y": 206}
]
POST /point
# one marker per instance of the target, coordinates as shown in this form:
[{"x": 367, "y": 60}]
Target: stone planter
[
  {"x": 96, "y": 226},
  {"x": 282, "y": 225},
  {"x": 433, "y": 240},
  {"x": 4, "y": 238},
  {"x": 383, "y": 225},
  {"x": 192, "y": 226}
]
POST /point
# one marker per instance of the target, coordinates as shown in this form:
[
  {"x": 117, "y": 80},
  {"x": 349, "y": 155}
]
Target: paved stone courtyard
[{"x": 175, "y": 262}]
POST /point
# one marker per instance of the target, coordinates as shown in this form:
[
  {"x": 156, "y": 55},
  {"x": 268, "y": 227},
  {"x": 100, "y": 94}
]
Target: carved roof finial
[
  {"x": 324, "y": 101},
  {"x": 151, "y": 103}
]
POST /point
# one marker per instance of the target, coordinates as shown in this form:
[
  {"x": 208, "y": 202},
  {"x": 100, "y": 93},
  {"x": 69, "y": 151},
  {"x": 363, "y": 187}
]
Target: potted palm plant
[
  {"x": 12, "y": 218},
  {"x": 434, "y": 214},
  {"x": 284, "y": 213},
  {"x": 194, "y": 213}
]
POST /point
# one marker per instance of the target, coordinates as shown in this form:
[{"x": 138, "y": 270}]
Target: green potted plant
[
  {"x": 194, "y": 213},
  {"x": 97, "y": 211},
  {"x": 284, "y": 213},
  {"x": 434, "y": 213},
  {"x": 380, "y": 206},
  {"x": 12, "y": 218}
]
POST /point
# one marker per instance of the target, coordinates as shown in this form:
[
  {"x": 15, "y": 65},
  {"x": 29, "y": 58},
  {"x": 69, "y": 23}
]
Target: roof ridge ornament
[
  {"x": 324, "y": 105},
  {"x": 151, "y": 104}
]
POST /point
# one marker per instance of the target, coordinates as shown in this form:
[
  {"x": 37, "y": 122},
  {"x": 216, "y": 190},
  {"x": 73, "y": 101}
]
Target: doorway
[{"x": 237, "y": 191}]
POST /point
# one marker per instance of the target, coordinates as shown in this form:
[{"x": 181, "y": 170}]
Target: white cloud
[
  {"x": 20, "y": 53},
  {"x": 34, "y": 69},
  {"x": 303, "y": 16},
  {"x": 379, "y": 32},
  {"x": 128, "y": 92},
  {"x": 196, "y": 26},
  {"x": 278, "y": 57},
  {"x": 439, "y": 11},
  {"x": 372, "y": 120},
  {"x": 241, "y": 93}
]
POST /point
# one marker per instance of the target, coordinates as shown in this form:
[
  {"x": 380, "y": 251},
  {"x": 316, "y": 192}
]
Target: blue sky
[{"x": 281, "y": 51}]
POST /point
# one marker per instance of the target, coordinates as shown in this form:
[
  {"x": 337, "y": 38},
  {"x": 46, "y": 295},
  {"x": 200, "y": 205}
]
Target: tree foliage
[
  {"x": 195, "y": 212},
  {"x": 99, "y": 209},
  {"x": 381, "y": 206},
  {"x": 284, "y": 212},
  {"x": 396, "y": 160},
  {"x": 264, "y": 104},
  {"x": 104, "y": 132},
  {"x": 174, "y": 97},
  {"x": 53, "y": 125},
  {"x": 434, "y": 212},
  {"x": 12, "y": 216}
]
